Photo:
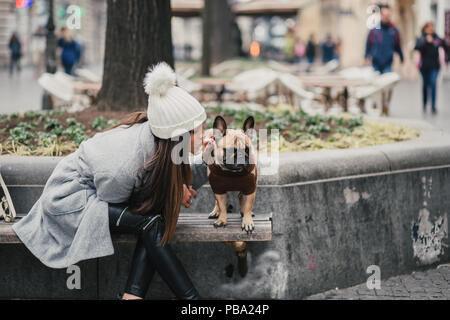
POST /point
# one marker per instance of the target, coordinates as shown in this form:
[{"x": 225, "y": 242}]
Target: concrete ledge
[{"x": 335, "y": 213}]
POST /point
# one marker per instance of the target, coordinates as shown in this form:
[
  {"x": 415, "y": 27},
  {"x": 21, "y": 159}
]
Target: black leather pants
[{"x": 148, "y": 256}]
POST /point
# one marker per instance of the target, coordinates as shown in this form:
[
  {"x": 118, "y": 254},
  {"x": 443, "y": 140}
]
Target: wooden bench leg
[{"x": 240, "y": 247}]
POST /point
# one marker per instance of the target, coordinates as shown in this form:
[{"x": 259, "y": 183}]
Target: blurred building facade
[
  {"x": 258, "y": 20},
  {"x": 30, "y": 25}
]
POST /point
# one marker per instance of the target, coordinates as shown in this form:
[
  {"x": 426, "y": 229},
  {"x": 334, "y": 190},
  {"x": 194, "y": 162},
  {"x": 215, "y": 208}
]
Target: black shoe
[{"x": 433, "y": 111}]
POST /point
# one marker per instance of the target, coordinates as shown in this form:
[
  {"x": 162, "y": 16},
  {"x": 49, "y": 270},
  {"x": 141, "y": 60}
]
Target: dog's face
[{"x": 233, "y": 149}]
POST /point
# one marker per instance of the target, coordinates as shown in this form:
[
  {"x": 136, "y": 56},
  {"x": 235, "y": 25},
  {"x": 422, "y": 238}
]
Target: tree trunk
[
  {"x": 138, "y": 35},
  {"x": 219, "y": 42},
  {"x": 206, "y": 41}
]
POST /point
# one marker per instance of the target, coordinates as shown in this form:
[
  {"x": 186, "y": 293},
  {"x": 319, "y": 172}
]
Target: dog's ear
[
  {"x": 220, "y": 124},
  {"x": 249, "y": 123}
]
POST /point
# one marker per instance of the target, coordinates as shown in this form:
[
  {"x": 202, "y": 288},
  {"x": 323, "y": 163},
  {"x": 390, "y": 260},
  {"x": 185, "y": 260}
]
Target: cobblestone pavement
[
  {"x": 406, "y": 103},
  {"x": 432, "y": 284}
]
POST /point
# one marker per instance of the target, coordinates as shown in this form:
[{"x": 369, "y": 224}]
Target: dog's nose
[{"x": 237, "y": 159}]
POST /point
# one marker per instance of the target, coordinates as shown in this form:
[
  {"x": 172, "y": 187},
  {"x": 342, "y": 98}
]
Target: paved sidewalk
[{"x": 432, "y": 284}]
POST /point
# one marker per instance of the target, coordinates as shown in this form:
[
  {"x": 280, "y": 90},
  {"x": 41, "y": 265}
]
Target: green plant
[
  {"x": 229, "y": 112},
  {"x": 278, "y": 123},
  {"x": 314, "y": 130},
  {"x": 269, "y": 115},
  {"x": 209, "y": 123},
  {"x": 344, "y": 130},
  {"x": 305, "y": 136},
  {"x": 355, "y": 122},
  {"x": 56, "y": 112},
  {"x": 31, "y": 114},
  {"x": 21, "y": 134},
  {"x": 324, "y": 127},
  {"x": 46, "y": 138},
  {"x": 72, "y": 121},
  {"x": 51, "y": 124},
  {"x": 100, "y": 123},
  {"x": 298, "y": 127},
  {"x": 314, "y": 119},
  {"x": 76, "y": 133}
]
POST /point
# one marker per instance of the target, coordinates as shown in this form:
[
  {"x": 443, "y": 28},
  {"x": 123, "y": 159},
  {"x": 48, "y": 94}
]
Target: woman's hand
[{"x": 188, "y": 193}]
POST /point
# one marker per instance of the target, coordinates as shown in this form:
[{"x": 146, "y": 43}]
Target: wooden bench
[{"x": 191, "y": 227}]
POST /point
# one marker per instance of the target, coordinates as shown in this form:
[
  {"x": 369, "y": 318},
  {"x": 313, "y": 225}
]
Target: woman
[
  {"x": 15, "y": 48},
  {"x": 311, "y": 52},
  {"x": 428, "y": 45},
  {"x": 125, "y": 180}
]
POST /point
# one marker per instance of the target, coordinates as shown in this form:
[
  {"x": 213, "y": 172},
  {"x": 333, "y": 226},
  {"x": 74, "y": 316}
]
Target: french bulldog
[{"x": 233, "y": 168}]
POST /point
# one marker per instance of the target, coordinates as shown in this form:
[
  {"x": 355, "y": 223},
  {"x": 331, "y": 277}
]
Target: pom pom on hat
[{"x": 159, "y": 79}]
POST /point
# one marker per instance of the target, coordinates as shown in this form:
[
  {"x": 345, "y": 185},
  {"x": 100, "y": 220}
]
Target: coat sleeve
[
  {"x": 446, "y": 48},
  {"x": 112, "y": 188}
]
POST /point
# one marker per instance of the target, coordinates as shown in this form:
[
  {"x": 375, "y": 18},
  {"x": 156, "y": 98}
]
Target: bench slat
[
  {"x": 230, "y": 216},
  {"x": 191, "y": 227}
]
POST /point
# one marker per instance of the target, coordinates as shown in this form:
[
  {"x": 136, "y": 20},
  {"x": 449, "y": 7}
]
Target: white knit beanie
[{"x": 171, "y": 110}]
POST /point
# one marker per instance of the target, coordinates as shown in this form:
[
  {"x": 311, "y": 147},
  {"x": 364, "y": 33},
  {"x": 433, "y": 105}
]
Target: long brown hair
[
  {"x": 426, "y": 25},
  {"x": 161, "y": 188}
]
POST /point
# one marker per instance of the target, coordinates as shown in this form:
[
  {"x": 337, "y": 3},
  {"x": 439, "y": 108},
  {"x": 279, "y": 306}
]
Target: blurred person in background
[
  {"x": 311, "y": 51},
  {"x": 300, "y": 50},
  {"x": 383, "y": 42},
  {"x": 38, "y": 51},
  {"x": 15, "y": 48},
  {"x": 289, "y": 46},
  {"x": 71, "y": 50},
  {"x": 328, "y": 49},
  {"x": 428, "y": 45}
]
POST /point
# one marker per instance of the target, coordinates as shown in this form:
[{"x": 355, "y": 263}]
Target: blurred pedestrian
[
  {"x": 236, "y": 36},
  {"x": 328, "y": 49},
  {"x": 428, "y": 45},
  {"x": 71, "y": 50},
  {"x": 38, "y": 51},
  {"x": 300, "y": 50},
  {"x": 383, "y": 42},
  {"x": 311, "y": 51},
  {"x": 15, "y": 48},
  {"x": 289, "y": 46}
]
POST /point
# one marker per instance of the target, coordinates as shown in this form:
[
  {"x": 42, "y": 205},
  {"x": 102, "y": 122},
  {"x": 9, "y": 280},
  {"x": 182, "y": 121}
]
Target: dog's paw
[
  {"x": 220, "y": 223},
  {"x": 247, "y": 224},
  {"x": 242, "y": 214},
  {"x": 214, "y": 214}
]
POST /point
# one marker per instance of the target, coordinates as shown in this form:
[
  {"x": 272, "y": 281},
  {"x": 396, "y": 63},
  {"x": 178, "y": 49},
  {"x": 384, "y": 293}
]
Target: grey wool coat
[{"x": 70, "y": 221}]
